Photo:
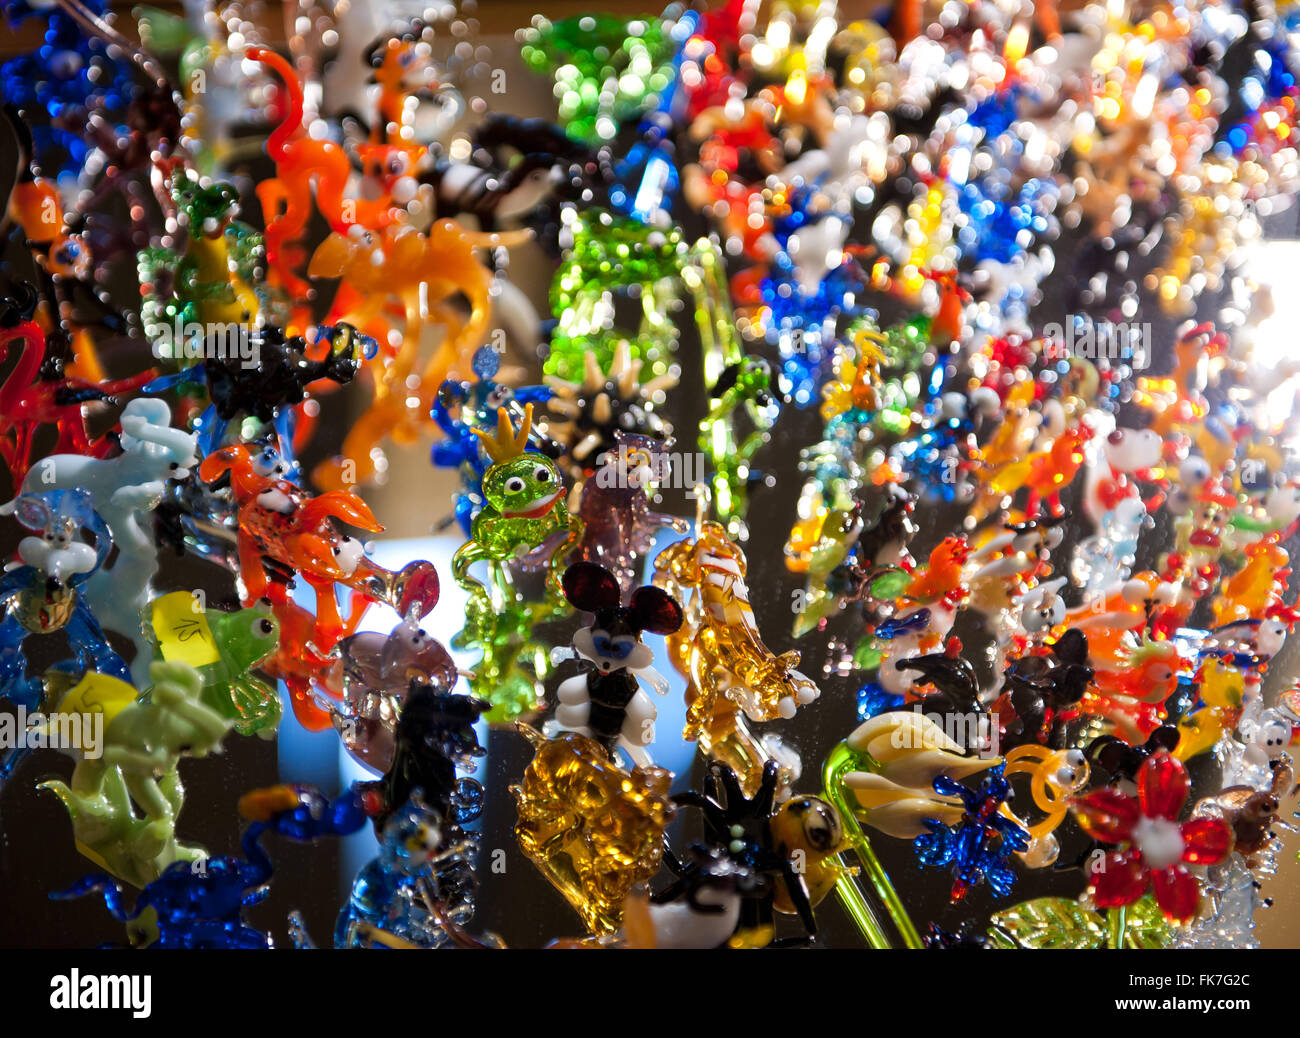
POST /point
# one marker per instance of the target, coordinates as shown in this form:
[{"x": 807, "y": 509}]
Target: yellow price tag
[
  {"x": 182, "y": 630},
  {"x": 96, "y": 694}
]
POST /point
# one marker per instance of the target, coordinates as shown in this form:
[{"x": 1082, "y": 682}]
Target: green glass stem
[
  {"x": 1118, "y": 919},
  {"x": 840, "y": 762}
]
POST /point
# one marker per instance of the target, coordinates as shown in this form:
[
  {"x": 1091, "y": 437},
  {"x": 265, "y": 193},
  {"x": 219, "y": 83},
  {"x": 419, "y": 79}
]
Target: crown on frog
[{"x": 506, "y": 443}]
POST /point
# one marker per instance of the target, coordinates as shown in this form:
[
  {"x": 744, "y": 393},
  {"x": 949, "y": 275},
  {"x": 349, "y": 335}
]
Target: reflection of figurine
[
  {"x": 606, "y": 703},
  {"x": 1039, "y": 687}
]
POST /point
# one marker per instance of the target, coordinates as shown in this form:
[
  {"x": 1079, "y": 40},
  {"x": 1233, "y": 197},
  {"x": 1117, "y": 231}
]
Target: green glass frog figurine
[{"x": 224, "y": 648}]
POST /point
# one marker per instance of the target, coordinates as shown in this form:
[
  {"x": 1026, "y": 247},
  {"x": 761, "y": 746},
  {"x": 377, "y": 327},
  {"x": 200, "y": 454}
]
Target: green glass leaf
[
  {"x": 1048, "y": 922},
  {"x": 890, "y": 584},
  {"x": 1059, "y": 922},
  {"x": 867, "y": 656},
  {"x": 1147, "y": 926},
  {"x": 161, "y": 31}
]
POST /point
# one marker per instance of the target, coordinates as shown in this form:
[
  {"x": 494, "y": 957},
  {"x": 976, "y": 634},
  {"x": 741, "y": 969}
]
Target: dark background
[{"x": 36, "y": 852}]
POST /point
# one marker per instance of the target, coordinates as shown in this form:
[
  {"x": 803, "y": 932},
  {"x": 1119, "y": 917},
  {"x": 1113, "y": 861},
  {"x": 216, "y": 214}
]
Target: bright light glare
[{"x": 1274, "y": 263}]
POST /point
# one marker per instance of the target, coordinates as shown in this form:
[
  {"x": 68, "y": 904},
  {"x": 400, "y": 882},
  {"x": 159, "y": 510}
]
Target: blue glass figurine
[
  {"x": 980, "y": 846},
  {"x": 199, "y": 904},
  {"x": 126, "y": 490},
  {"x": 69, "y": 76},
  {"x": 44, "y": 593},
  {"x": 398, "y": 898}
]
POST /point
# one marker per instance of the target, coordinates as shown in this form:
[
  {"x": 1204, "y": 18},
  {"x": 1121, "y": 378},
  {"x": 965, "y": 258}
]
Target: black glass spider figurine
[
  {"x": 792, "y": 844},
  {"x": 268, "y": 379}
]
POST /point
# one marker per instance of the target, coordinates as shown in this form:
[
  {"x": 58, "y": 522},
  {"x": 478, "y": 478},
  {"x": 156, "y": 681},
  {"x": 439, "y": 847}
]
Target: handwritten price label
[
  {"x": 98, "y": 694},
  {"x": 182, "y": 631}
]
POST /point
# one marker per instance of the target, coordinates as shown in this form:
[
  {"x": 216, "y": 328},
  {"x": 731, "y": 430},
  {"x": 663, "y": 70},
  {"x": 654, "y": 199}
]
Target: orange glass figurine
[
  {"x": 420, "y": 273},
  {"x": 1048, "y": 472},
  {"x": 286, "y": 530},
  {"x": 1133, "y": 695},
  {"x": 301, "y": 162},
  {"x": 304, "y": 657}
]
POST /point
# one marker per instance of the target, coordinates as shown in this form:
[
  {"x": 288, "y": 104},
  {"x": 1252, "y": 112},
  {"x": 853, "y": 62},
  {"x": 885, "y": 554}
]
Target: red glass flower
[{"x": 1158, "y": 849}]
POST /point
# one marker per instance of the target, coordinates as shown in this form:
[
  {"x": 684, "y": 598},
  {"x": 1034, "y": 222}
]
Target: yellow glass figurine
[
  {"x": 730, "y": 672},
  {"x": 1055, "y": 776},
  {"x": 592, "y": 828}
]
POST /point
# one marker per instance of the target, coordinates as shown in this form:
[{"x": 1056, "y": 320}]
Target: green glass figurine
[
  {"x": 607, "y": 69},
  {"x": 613, "y": 255},
  {"x": 524, "y": 510},
  {"x": 224, "y": 648},
  {"x": 211, "y": 276},
  {"x": 126, "y": 793}
]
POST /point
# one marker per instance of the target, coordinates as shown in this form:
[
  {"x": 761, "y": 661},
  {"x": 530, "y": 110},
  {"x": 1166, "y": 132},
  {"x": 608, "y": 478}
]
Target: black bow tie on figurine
[{"x": 607, "y": 704}]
